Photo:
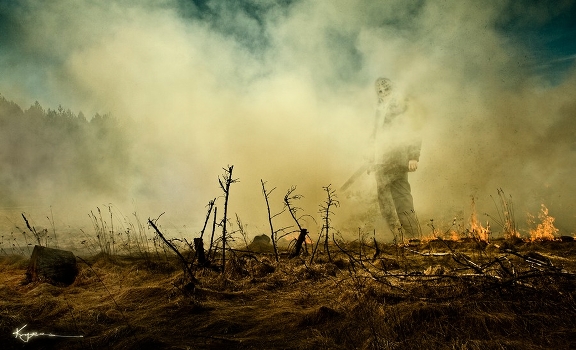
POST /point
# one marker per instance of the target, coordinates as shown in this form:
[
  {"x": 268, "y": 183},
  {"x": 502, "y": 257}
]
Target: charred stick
[
  {"x": 184, "y": 262},
  {"x": 272, "y": 232},
  {"x": 210, "y": 206}
]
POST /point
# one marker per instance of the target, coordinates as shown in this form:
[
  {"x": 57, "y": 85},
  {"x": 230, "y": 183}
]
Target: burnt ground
[{"x": 438, "y": 295}]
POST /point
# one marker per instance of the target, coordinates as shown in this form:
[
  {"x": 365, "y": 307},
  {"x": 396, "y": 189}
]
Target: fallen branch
[
  {"x": 171, "y": 246},
  {"x": 426, "y": 254}
]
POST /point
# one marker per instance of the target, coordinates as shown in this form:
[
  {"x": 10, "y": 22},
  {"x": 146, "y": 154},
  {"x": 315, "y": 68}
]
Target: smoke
[{"x": 283, "y": 90}]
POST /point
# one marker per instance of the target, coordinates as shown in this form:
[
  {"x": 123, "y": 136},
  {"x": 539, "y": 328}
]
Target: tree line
[{"x": 51, "y": 152}]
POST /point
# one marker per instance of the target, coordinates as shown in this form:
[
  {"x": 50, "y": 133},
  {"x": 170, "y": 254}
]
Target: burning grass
[
  {"x": 545, "y": 230},
  {"x": 438, "y": 294}
]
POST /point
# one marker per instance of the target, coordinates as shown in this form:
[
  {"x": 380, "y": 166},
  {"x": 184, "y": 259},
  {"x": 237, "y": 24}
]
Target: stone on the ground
[
  {"x": 55, "y": 266},
  {"x": 261, "y": 243}
]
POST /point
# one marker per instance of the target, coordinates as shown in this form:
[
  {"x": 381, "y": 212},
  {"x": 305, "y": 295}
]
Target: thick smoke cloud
[{"x": 284, "y": 92}]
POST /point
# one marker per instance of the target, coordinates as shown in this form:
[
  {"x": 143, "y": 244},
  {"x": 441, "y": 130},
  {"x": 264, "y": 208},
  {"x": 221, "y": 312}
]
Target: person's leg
[
  {"x": 386, "y": 201},
  {"x": 402, "y": 196}
]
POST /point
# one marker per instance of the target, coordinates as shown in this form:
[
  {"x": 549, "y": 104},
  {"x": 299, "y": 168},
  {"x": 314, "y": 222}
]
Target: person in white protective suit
[{"x": 397, "y": 147}]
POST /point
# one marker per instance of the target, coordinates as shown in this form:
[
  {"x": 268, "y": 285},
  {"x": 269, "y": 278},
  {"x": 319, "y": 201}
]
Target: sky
[{"x": 283, "y": 91}]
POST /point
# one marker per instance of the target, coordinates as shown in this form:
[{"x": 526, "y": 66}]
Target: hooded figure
[{"x": 396, "y": 152}]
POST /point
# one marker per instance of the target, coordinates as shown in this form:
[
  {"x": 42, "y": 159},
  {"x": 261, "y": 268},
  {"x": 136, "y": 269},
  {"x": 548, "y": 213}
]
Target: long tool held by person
[{"x": 361, "y": 170}]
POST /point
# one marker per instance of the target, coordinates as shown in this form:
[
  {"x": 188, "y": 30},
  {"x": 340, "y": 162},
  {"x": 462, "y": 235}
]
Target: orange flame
[
  {"x": 436, "y": 233},
  {"x": 455, "y": 236},
  {"x": 545, "y": 230},
  {"x": 430, "y": 237},
  {"x": 476, "y": 228}
]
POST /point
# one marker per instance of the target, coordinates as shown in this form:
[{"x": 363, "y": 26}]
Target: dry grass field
[{"x": 432, "y": 295}]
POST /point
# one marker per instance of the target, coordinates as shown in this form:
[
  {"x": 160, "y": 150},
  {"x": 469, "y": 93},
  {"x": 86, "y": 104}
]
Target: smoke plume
[{"x": 283, "y": 90}]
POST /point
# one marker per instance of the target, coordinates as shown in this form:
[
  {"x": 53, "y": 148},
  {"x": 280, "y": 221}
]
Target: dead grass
[{"x": 354, "y": 302}]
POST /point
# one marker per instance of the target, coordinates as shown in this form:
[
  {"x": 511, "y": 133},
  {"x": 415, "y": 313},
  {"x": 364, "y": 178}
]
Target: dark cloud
[{"x": 548, "y": 32}]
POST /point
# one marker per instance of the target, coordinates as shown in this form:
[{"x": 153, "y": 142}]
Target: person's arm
[
  {"x": 415, "y": 145},
  {"x": 377, "y": 122},
  {"x": 414, "y": 154}
]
